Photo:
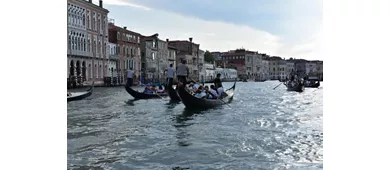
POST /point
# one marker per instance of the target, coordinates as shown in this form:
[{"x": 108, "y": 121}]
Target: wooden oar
[{"x": 277, "y": 86}]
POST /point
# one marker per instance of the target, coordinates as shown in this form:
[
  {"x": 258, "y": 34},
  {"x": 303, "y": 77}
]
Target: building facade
[
  {"x": 264, "y": 70},
  {"x": 128, "y": 43},
  {"x": 87, "y": 32},
  {"x": 253, "y": 65},
  {"x": 149, "y": 51},
  {"x": 202, "y": 70},
  {"x": 189, "y": 51},
  {"x": 235, "y": 59},
  {"x": 210, "y": 72},
  {"x": 113, "y": 60}
]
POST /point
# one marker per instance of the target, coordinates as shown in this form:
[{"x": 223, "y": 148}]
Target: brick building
[
  {"x": 87, "y": 33},
  {"x": 129, "y": 49}
]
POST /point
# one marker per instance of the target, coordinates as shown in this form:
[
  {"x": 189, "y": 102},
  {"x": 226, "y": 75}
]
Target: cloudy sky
[{"x": 286, "y": 28}]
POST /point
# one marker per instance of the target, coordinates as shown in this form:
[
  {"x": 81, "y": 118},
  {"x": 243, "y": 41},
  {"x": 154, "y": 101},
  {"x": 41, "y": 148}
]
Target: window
[
  {"x": 88, "y": 19},
  {"x": 99, "y": 24},
  {"x": 153, "y": 56},
  {"x": 104, "y": 24},
  {"x": 94, "y": 21},
  {"x": 118, "y": 35}
]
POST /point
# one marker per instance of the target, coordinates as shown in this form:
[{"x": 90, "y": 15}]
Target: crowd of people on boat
[
  {"x": 294, "y": 81},
  {"x": 154, "y": 90},
  {"x": 182, "y": 72}
]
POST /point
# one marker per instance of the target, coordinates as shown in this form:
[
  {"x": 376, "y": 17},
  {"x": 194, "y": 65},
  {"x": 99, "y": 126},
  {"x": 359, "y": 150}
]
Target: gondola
[
  {"x": 140, "y": 95},
  {"x": 193, "y": 102},
  {"x": 295, "y": 86},
  {"x": 172, "y": 93},
  {"x": 80, "y": 95},
  {"x": 314, "y": 82}
]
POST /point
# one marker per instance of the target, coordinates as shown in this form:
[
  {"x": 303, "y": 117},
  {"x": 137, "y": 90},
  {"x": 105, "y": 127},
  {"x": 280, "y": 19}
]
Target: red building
[
  {"x": 129, "y": 49},
  {"x": 235, "y": 59}
]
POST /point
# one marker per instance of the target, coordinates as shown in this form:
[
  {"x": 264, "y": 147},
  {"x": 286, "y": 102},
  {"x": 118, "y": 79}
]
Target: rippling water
[{"x": 263, "y": 129}]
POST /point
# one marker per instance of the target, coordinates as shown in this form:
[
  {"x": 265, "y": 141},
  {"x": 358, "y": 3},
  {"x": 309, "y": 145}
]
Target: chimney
[
  {"x": 190, "y": 39},
  {"x": 167, "y": 40},
  {"x": 125, "y": 27},
  {"x": 101, "y": 3}
]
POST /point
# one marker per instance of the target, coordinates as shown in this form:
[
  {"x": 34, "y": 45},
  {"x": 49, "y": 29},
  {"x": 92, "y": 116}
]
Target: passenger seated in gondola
[
  {"x": 213, "y": 91},
  {"x": 69, "y": 94},
  {"x": 200, "y": 93},
  {"x": 209, "y": 95},
  {"x": 160, "y": 89},
  {"x": 148, "y": 90}
]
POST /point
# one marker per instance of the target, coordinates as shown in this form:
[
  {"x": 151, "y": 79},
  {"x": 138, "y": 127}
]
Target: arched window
[
  {"x": 84, "y": 44},
  {"x": 96, "y": 71},
  {"x": 69, "y": 42},
  {"x": 73, "y": 42},
  {"x": 78, "y": 43}
]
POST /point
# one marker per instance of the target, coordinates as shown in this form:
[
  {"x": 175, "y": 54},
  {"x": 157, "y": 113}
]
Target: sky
[{"x": 285, "y": 28}]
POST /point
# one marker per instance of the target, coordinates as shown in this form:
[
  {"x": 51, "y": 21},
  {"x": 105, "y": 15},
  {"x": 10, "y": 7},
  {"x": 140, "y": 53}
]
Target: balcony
[{"x": 114, "y": 57}]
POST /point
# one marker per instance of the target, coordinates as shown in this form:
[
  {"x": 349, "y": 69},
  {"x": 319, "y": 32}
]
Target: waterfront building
[
  {"x": 264, "y": 70},
  {"x": 210, "y": 72},
  {"x": 128, "y": 43},
  {"x": 189, "y": 51},
  {"x": 113, "y": 62},
  {"x": 202, "y": 70},
  {"x": 235, "y": 59},
  {"x": 274, "y": 69},
  {"x": 149, "y": 51},
  {"x": 87, "y": 47}
]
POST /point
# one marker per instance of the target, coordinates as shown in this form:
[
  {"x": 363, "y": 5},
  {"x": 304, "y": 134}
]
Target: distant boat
[
  {"x": 314, "y": 82},
  {"x": 141, "y": 95},
  {"x": 294, "y": 86},
  {"x": 80, "y": 95}
]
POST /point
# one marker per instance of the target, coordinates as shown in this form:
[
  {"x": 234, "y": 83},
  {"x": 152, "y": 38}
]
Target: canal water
[{"x": 262, "y": 129}]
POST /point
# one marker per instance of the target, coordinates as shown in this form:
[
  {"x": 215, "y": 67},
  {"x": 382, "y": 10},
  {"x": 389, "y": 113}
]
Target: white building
[
  {"x": 290, "y": 66},
  {"x": 264, "y": 70},
  {"x": 230, "y": 74},
  {"x": 113, "y": 60},
  {"x": 202, "y": 70},
  {"x": 219, "y": 70},
  {"x": 210, "y": 72},
  {"x": 87, "y": 32}
]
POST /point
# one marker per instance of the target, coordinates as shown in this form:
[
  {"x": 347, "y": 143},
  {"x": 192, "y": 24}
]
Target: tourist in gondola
[
  {"x": 160, "y": 89},
  {"x": 148, "y": 90},
  {"x": 218, "y": 84},
  {"x": 182, "y": 72},
  {"x": 130, "y": 73},
  {"x": 200, "y": 93},
  {"x": 213, "y": 91}
]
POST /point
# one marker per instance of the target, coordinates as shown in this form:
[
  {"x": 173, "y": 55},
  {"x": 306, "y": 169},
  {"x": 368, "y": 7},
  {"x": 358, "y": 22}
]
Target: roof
[
  {"x": 117, "y": 28},
  {"x": 172, "y": 47}
]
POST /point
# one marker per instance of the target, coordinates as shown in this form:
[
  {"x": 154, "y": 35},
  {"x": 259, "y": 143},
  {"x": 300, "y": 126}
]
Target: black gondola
[
  {"x": 80, "y": 95},
  {"x": 314, "y": 82},
  {"x": 172, "y": 93},
  {"x": 193, "y": 102},
  {"x": 294, "y": 86},
  {"x": 140, "y": 95}
]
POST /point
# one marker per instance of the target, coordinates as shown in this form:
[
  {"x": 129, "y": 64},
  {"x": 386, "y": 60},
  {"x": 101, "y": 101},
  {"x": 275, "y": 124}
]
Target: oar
[{"x": 277, "y": 86}]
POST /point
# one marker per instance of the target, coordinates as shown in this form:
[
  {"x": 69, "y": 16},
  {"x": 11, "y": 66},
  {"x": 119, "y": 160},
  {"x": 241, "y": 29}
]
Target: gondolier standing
[
  {"x": 182, "y": 72},
  {"x": 130, "y": 73},
  {"x": 170, "y": 74}
]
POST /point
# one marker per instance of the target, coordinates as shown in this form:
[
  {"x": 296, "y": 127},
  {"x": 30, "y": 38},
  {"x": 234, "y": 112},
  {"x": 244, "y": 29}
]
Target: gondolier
[
  {"x": 182, "y": 72},
  {"x": 170, "y": 74},
  {"x": 130, "y": 73}
]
